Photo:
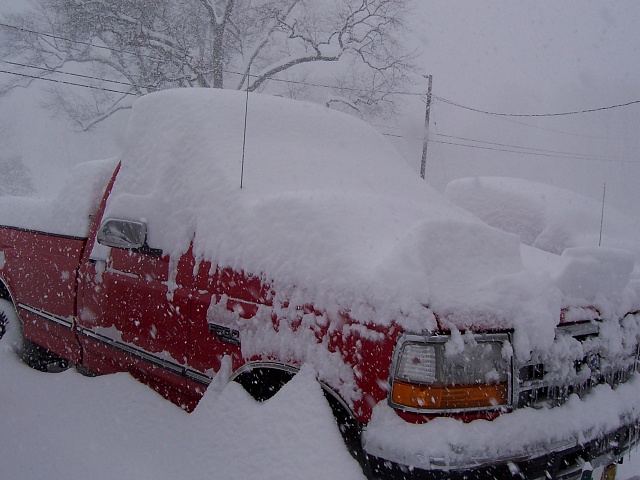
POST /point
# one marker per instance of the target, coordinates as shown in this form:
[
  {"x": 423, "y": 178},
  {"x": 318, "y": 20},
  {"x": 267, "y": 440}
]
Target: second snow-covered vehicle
[{"x": 446, "y": 348}]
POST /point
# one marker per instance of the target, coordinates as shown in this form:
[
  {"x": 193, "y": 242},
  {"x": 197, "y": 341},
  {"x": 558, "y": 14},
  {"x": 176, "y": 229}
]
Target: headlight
[{"x": 429, "y": 379}]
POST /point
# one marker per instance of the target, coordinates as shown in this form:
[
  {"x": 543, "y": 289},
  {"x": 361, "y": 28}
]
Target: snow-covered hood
[
  {"x": 592, "y": 258},
  {"x": 543, "y": 216}
]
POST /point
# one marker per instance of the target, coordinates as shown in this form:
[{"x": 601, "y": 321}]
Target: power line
[
  {"x": 562, "y": 132},
  {"x": 231, "y": 72},
  {"x": 542, "y": 150},
  {"x": 589, "y": 110},
  {"x": 521, "y": 150},
  {"x": 89, "y": 44},
  {"x": 553, "y": 130},
  {"x": 537, "y": 154},
  {"x": 66, "y": 83},
  {"x": 62, "y": 72}
]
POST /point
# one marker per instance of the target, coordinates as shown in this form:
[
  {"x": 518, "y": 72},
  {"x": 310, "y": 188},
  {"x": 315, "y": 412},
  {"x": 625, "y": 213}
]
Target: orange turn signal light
[{"x": 450, "y": 397}]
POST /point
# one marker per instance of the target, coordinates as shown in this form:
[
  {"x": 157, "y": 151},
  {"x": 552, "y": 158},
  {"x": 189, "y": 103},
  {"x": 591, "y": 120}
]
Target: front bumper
[
  {"x": 526, "y": 443},
  {"x": 568, "y": 464}
]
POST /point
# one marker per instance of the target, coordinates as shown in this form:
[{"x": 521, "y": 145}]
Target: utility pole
[
  {"x": 425, "y": 138},
  {"x": 604, "y": 191}
]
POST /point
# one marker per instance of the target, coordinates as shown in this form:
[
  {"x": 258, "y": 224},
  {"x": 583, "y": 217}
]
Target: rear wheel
[
  {"x": 35, "y": 356},
  {"x": 4, "y": 321},
  {"x": 6, "y": 308},
  {"x": 41, "y": 359}
]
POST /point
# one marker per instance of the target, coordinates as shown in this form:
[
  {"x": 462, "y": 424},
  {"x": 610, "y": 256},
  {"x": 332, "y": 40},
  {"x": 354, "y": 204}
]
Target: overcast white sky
[
  {"x": 536, "y": 57},
  {"x": 540, "y": 56}
]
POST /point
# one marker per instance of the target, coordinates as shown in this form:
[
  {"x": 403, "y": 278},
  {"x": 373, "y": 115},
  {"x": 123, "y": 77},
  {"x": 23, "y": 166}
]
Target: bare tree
[{"x": 140, "y": 46}]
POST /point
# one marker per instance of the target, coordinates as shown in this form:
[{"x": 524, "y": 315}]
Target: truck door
[{"x": 132, "y": 314}]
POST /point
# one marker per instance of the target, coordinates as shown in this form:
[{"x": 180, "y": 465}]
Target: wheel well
[{"x": 263, "y": 382}]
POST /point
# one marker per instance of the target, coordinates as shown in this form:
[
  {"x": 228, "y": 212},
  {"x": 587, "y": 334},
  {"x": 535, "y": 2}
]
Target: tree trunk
[{"x": 217, "y": 54}]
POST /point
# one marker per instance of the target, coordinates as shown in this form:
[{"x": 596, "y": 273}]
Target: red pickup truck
[{"x": 247, "y": 236}]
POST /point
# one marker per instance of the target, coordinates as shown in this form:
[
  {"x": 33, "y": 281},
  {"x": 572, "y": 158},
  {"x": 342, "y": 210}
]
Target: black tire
[
  {"x": 33, "y": 355},
  {"x": 4, "y": 321},
  {"x": 85, "y": 371},
  {"x": 351, "y": 431},
  {"x": 41, "y": 359}
]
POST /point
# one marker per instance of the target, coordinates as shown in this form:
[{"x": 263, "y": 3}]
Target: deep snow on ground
[{"x": 65, "y": 426}]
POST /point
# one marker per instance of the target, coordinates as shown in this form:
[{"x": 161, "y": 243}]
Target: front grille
[{"x": 596, "y": 352}]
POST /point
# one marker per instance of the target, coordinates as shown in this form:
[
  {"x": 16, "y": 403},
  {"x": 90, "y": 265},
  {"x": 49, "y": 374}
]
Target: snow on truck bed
[
  {"x": 324, "y": 209},
  {"x": 68, "y": 213}
]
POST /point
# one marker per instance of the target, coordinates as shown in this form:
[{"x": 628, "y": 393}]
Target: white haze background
[
  {"x": 505, "y": 57},
  {"x": 512, "y": 57}
]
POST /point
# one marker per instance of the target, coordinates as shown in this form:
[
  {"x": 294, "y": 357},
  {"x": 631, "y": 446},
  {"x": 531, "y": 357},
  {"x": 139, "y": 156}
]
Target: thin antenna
[
  {"x": 425, "y": 140},
  {"x": 604, "y": 191},
  {"x": 244, "y": 135}
]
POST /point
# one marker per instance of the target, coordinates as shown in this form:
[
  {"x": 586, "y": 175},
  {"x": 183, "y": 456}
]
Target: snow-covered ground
[{"x": 65, "y": 426}]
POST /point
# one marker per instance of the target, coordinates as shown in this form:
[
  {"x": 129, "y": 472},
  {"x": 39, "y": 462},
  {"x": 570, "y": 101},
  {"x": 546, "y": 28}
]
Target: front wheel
[
  {"x": 4, "y": 321},
  {"x": 264, "y": 383},
  {"x": 350, "y": 429}
]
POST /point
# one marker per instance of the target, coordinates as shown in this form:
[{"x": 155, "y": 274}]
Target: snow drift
[{"x": 592, "y": 258}]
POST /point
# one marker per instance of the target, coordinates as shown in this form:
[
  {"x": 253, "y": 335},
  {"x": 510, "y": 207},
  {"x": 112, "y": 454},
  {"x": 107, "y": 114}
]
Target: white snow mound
[
  {"x": 67, "y": 213},
  {"x": 327, "y": 207},
  {"x": 546, "y": 217},
  {"x": 593, "y": 254}
]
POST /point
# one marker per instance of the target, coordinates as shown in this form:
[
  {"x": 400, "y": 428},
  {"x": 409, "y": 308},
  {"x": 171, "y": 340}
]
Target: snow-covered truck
[{"x": 239, "y": 239}]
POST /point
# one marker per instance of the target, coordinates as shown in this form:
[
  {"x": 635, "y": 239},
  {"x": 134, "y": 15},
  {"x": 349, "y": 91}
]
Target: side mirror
[{"x": 122, "y": 234}]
